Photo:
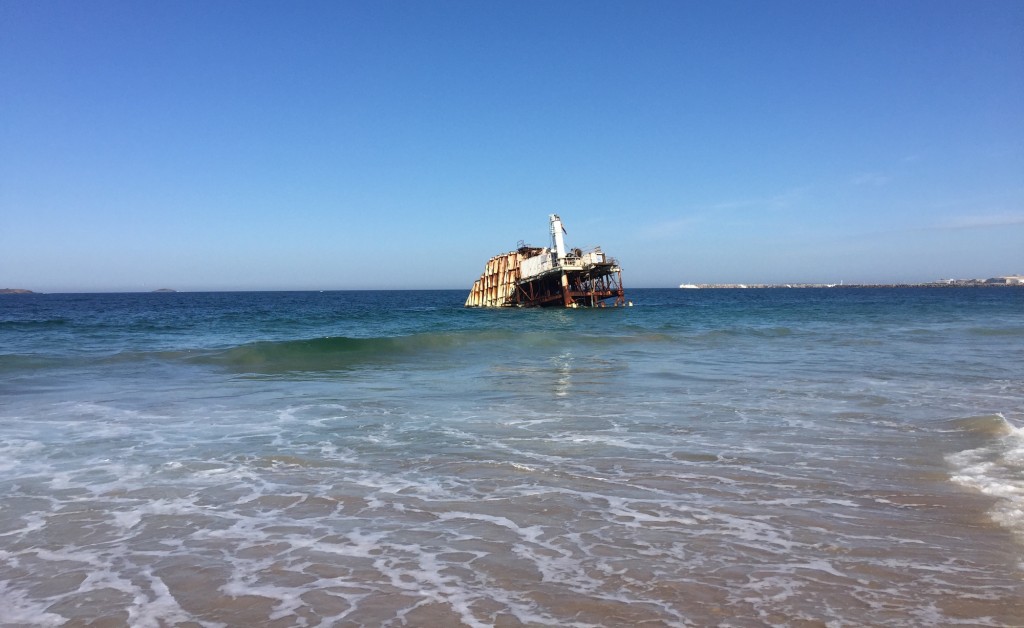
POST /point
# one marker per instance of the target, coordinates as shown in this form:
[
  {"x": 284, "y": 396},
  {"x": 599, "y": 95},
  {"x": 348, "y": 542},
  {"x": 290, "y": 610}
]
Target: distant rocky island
[
  {"x": 15, "y": 291},
  {"x": 165, "y": 290}
]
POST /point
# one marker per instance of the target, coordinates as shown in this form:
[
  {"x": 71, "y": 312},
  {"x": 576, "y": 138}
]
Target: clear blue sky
[{"x": 206, "y": 145}]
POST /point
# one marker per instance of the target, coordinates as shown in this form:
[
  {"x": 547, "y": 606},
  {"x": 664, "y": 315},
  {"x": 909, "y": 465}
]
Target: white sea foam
[
  {"x": 17, "y": 452},
  {"x": 160, "y": 608},
  {"x": 17, "y": 608},
  {"x": 997, "y": 469},
  {"x": 128, "y": 519}
]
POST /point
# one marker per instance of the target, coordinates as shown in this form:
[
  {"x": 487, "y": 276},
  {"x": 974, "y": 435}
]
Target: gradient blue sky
[{"x": 206, "y": 145}]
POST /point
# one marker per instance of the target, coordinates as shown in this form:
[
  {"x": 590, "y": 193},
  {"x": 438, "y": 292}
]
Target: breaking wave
[
  {"x": 996, "y": 468},
  {"x": 334, "y": 353},
  {"x": 338, "y": 353},
  {"x": 342, "y": 353}
]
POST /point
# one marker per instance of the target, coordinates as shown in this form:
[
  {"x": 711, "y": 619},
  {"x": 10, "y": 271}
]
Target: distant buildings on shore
[{"x": 1007, "y": 280}]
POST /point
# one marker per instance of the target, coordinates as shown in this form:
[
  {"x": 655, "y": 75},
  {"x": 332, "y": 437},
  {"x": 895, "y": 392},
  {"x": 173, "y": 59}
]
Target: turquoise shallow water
[{"x": 733, "y": 457}]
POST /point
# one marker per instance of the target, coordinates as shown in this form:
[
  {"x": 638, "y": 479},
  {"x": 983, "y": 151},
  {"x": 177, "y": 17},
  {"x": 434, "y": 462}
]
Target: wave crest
[{"x": 335, "y": 353}]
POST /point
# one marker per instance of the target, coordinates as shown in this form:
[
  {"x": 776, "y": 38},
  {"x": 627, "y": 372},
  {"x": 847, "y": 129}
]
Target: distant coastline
[
  {"x": 15, "y": 291},
  {"x": 952, "y": 283}
]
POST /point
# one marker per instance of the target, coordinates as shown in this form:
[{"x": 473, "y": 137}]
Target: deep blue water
[{"x": 747, "y": 457}]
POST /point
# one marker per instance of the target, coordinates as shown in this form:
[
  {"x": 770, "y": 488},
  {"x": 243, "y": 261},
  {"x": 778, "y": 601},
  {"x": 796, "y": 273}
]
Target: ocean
[{"x": 760, "y": 457}]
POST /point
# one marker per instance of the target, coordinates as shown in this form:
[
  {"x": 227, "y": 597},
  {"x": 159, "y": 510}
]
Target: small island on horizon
[
  {"x": 15, "y": 291},
  {"x": 165, "y": 290}
]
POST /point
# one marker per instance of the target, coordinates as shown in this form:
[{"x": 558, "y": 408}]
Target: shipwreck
[{"x": 551, "y": 276}]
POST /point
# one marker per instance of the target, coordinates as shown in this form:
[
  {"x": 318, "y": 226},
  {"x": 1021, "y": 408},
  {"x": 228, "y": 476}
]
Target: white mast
[{"x": 557, "y": 242}]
